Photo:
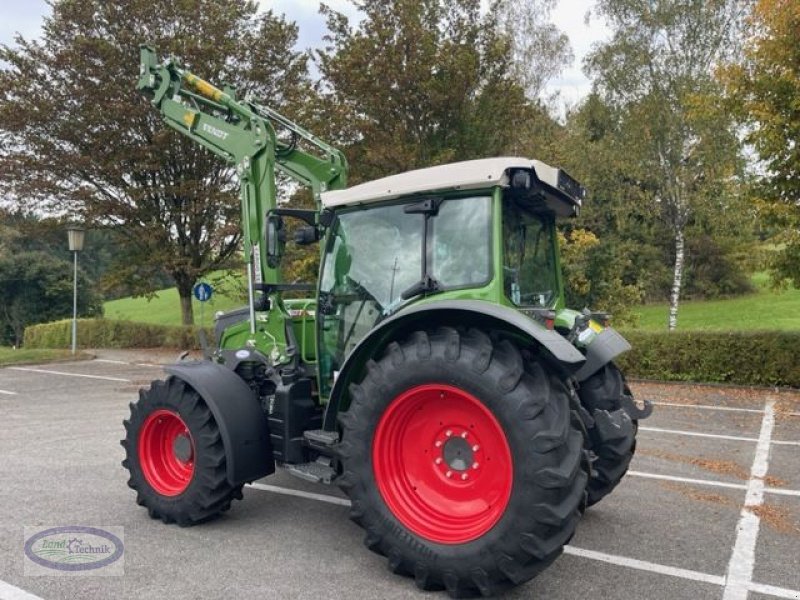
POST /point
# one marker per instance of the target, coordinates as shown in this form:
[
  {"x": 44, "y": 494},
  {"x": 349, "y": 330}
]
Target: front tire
[
  {"x": 175, "y": 456},
  {"x": 612, "y": 435},
  {"x": 462, "y": 462}
]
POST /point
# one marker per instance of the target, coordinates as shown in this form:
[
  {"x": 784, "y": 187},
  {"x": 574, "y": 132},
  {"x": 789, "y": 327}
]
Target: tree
[
  {"x": 75, "y": 136},
  {"x": 540, "y": 51},
  {"x": 658, "y": 70},
  {"x": 765, "y": 88},
  {"x": 36, "y": 287},
  {"x": 418, "y": 83}
]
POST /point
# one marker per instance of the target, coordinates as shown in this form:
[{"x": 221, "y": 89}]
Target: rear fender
[
  {"x": 455, "y": 313},
  {"x": 242, "y": 423}
]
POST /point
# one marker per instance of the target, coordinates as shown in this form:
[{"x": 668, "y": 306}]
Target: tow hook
[{"x": 632, "y": 407}]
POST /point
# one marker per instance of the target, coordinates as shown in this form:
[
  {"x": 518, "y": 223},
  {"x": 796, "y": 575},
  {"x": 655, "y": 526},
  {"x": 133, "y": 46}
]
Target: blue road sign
[{"x": 203, "y": 292}]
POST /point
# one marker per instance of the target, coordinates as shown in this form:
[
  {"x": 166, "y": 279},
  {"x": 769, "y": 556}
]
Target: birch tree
[{"x": 657, "y": 68}]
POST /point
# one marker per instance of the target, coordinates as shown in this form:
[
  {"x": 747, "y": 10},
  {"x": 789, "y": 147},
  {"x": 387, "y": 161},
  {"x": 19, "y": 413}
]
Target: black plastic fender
[
  {"x": 452, "y": 313},
  {"x": 242, "y": 423},
  {"x": 603, "y": 349}
]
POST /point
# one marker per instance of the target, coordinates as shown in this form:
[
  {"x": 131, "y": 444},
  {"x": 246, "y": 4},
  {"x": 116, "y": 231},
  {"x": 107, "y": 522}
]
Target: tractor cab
[{"x": 482, "y": 229}]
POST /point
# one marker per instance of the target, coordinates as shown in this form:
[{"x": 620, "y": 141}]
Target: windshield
[{"x": 529, "y": 276}]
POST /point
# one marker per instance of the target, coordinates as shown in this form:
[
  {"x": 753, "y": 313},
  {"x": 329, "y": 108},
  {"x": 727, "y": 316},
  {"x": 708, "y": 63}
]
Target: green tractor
[{"x": 435, "y": 375}]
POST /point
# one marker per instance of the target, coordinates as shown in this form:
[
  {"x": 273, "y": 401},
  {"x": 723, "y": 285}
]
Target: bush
[
  {"x": 104, "y": 333},
  {"x": 740, "y": 357}
]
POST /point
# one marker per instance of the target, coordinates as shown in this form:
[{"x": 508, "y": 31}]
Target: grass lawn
[
  {"x": 165, "y": 308},
  {"x": 764, "y": 309},
  {"x": 10, "y": 356}
]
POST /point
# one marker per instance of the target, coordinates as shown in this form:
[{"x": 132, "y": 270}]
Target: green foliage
[
  {"x": 764, "y": 89},
  {"x": 592, "y": 277},
  {"x": 77, "y": 137},
  {"x": 104, "y": 333},
  {"x": 740, "y": 357},
  {"x": 419, "y": 83},
  {"x": 36, "y": 287},
  {"x": 672, "y": 142}
]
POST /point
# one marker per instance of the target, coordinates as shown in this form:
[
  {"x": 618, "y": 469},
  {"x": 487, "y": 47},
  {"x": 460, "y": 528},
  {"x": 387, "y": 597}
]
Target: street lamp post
[{"x": 75, "y": 236}]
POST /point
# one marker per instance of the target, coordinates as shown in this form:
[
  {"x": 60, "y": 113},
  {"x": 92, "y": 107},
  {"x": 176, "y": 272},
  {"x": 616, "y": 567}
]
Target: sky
[{"x": 25, "y": 17}]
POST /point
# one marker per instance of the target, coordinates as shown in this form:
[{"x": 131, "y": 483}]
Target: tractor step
[
  {"x": 321, "y": 440},
  {"x": 319, "y": 471}
]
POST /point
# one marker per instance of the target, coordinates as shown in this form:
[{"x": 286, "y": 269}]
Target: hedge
[
  {"x": 740, "y": 357},
  {"x": 105, "y": 333}
]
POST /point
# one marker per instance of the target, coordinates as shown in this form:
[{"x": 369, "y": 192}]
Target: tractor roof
[{"x": 480, "y": 174}]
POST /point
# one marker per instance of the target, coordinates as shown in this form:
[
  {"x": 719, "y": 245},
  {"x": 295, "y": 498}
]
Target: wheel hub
[
  {"x": 457, "y": 454},
  {"x": 166, "y": 452},
  {"x": 182, "y": 447},
  {"x": 429, "y": 452}
]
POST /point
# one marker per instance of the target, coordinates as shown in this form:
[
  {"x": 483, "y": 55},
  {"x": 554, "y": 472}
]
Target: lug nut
[
  {"x": 475, "y": 448},
  {"x": 438, "y": 461},
  {"x": 449, "y": 474},
  {"x": 464, "y": 435},
  {"x": 475, "y": 465},
  {"x": 464, "y": 477},
  {"x": 448, "y": 433},
  {"x": 438, "y": 444}
]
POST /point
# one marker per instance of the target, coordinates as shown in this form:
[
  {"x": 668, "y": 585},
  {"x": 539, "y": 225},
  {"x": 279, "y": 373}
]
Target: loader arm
[{"x": 243, "y": 134}]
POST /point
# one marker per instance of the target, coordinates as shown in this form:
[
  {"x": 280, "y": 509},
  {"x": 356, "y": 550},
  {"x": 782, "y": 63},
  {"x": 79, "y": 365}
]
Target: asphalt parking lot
[{"x": 710, "y": 509}]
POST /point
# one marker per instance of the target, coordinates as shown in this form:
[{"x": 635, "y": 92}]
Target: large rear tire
[
  {"x": 612, "y": 434},
  {"x": 462, "y": 462},
  {"x": 175, "y": 456}
]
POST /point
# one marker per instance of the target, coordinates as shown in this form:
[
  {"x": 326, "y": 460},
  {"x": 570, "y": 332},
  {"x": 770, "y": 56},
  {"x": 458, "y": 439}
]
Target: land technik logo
[{"x": 74, "y": 550}]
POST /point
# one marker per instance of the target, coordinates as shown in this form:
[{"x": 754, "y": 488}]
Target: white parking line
[
  {"x": 642, "y": 565},
  {"x": 771, "y": 590},
  {"x": 743, "y": 558},
  {"x": 716, "y": 436},
  {"x": 708, "y": 407},
  {"x": 712, "y": 483},
  {"x": 613, "y": 559},
  {"x": 784, "y": 443},
  {"x": 12, "y": 592},
  {"x": 48, "y": 372},
  {"x": 8, "y": 393},
  {"x": 109, "y": 361}
]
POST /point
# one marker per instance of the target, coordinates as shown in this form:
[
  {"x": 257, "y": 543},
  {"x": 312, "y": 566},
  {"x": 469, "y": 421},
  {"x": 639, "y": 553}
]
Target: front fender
[
  {"x": 242, "y": 423},
  {"x": 453, "y": 313},
  {"x": 605, "y": 347}
]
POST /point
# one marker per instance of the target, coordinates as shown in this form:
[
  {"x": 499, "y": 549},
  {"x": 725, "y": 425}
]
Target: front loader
[{"x": 433, "y": 373}]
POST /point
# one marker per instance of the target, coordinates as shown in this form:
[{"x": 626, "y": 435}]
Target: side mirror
[
  {"x": 276, "y": 240},
  {"x": 304, "y": 236}
]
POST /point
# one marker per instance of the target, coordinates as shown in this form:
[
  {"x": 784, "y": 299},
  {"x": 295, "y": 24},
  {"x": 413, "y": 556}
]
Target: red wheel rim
[
  {"x": 442, "y": 463},
  {"x": 166, "y": 452}
]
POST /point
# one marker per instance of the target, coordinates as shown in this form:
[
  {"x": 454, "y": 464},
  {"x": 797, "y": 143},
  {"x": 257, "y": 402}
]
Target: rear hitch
[{"x": 632, "y": 407}]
